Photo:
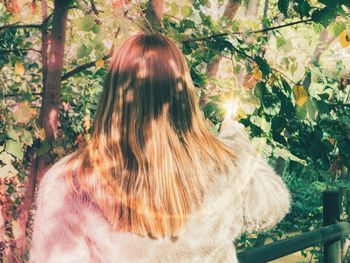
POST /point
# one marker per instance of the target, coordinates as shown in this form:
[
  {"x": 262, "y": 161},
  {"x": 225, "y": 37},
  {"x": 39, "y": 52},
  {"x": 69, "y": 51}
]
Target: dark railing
[{"x": 330, "y": 236}]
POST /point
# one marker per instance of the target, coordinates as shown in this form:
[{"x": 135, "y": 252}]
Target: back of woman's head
[{"x": 150, "y": 158}]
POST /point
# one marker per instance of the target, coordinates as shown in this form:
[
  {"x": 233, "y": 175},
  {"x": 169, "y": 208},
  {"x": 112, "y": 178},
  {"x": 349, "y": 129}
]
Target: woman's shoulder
[
  {"x": 52, "y": 186},
  {"x": 234, "y": 135},
  {"x": 56, "y": 171}
]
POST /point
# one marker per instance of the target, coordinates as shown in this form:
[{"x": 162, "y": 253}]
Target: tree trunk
[
  {"x": 48, "y": 118},
  {"x": 230, "y": 12},
  {"x": 44, "y": 42},
  {"x": 154, "y": 14},
  {"x": 252, "y": 8}
]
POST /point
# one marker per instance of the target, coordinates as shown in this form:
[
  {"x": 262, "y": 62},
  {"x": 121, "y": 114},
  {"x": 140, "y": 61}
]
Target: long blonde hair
[{"x": 150, "y": 158}]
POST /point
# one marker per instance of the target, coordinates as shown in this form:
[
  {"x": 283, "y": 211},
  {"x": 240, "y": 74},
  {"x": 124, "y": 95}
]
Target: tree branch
[
  {"x": 89, "y": 11},
  {"x": 19, "y": 50},
  {"x": 82, "y": 67},
  {"x": 248, "y": 32},
  {"x": 44, "y": 42},
  {"x": 38, "y": 26},
  {"x": 48, "y": 118},
  {"x": 94, "y": 8},
  {"x": 230, "y": 11},
  {"x": 19, "y": 95},
  {"x": 154, "y": 13}
]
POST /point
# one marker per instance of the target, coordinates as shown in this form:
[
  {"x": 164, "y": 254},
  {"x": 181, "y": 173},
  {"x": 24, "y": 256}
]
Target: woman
[{"x": 153, "y": 184}]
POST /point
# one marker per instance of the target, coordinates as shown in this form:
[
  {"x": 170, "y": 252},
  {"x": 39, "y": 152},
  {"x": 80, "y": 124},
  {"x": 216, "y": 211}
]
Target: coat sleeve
[
  {"x": 58, "y": 234},
  {"x": 266, "y": 199}
]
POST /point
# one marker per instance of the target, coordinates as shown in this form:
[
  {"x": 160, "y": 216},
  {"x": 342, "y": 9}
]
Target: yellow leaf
[
  {"x": 41, "y": 134},
  {"x": 15, "y": 19},
  {"x": 59, "y": 150},
  {"x": 34, "y": 112},
  {"x": 19, "y": 69},
  {"x": 253, "y": 235},
  {"x": 99, "y": 63},
  {"x": 257, "y": 74},
  {"x": 300, "y": 95},
  {"x": 23, "y": 114},
  {"x": 344, "y": 38}
]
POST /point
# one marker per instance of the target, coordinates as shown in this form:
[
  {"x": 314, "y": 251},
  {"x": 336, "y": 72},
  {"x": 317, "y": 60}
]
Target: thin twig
[
  {"x": 246, "y": 33},
  {"x": 94, "y": 8},
  {"x": 38, "y": 26},
  {"x": 82, "y": 67},
  {"x": 19, "y": 50},
  {"x": 18, "y": 94},
  {"x": 284, "y": 75},
  {"x": 243, "y": 54},
  {"x": 89, "y": 11}
]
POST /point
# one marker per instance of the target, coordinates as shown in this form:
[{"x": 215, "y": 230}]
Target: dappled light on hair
[
  {"x": 150, "y": 158},
  {"x": 175, "y": 69}
]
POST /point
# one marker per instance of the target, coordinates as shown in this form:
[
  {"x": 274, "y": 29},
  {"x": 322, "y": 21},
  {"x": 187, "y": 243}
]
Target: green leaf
[
  {"x": 346, "y": 121},
  {"x": 283, "y": 6},
  {"x": 309, "y": 110},
  {"x": 324, "y": 16},
  {"x": 325, "y": 174},
  {"x": 312, "y": 110},
  {"x": 287, "y": 88},
  {"x": 287, "y": 155},
  {"x": 301, "y": 112},
  {"x": 186, "y": 23},
  {"x": 328, "y": 2},
  {"x": 346, "y": 3},
  {"x": 27, "y": 138},
  {"x": 87, "y": 23},
  {"x": 14, "y": 135},
  {"x": 15, "y": 148},
  {"x": 280, "y": 41},
  {"x": 259, "y": 89},
  {"x": 263, "y": 65},
  {"x": 302, "y": 7},
  {"x": 174, "y": 8},
  {"x": 96, "y": 28},
  {"x": 186, "y": 10},
  {"x": 345, "y": 184},
  {"x": 45, "y": 147},
  {"x": 337, "y": 28},
  {"x": 83, "y": 51},
  {"x": 99, "y": 48}
]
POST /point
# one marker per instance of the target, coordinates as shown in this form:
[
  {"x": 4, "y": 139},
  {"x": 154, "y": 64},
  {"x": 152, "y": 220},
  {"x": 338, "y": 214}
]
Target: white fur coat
[{"x": 70, "y": 229}]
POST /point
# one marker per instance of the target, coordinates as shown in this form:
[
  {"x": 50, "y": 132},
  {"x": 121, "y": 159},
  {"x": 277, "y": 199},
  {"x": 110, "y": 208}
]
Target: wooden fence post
[{"x": 331, "y": 215}]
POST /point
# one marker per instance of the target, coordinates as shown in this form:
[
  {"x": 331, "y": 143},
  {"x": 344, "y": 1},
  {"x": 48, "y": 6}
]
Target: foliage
[{"x": 293, "y": 101}]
